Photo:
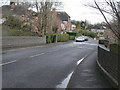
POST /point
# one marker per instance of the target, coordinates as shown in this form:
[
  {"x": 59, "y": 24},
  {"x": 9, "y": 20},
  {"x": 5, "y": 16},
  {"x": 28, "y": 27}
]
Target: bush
[
  {"x": 92, "y": 34},
  {"x": 13, "y": 22},
  {"x": 79, "y": 34},
  {"x": 60, "y": 37},
  {"x": 115, "y": 48},
  {"x": 14, "y": 32},
  {"x": 63, "y": 37},
  {"x": 71, "y": 37},
  {"x": 48, "y": 37},
  {"x": 88, "y": 33}
]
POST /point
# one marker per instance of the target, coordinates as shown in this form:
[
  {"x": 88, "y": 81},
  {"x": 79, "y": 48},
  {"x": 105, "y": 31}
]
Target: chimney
[{"x": 12, "y": 4}]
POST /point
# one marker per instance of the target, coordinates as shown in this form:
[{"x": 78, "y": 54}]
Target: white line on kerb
[
  {"x": 37, "y": 55},
  {"x": 79, "y": 61},
  {"x": 65, "y": 82},
  {"x": 8, "y": 63}
]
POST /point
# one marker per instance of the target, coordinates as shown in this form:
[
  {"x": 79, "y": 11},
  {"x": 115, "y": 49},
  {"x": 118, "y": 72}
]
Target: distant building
[
  {"x": 73, "y": 26},
  {"x": 65, "y": 21},
  {"x": 60, "y": 20},
  {"x": 95, "y": 29}
]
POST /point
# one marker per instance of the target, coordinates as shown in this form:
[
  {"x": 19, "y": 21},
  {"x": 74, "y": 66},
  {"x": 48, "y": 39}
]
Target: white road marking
[
  {"x": 65, "y": 82},
  {"x": 80, "y": 47},
  {"x": 79, "y": 61},
  {"x": 85, "y": 43},
  {"x": 37, "y": 55},
  {"x": 8, "y": 62}
]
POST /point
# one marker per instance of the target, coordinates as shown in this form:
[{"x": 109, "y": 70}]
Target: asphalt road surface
[{"x": 45, "y": 66}]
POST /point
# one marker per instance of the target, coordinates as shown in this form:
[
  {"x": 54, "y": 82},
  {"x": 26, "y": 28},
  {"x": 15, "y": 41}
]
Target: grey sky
[{"x": 78, "y": 11}]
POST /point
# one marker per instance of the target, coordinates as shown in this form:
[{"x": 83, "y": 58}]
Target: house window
[{"x": 64, "y": 22}]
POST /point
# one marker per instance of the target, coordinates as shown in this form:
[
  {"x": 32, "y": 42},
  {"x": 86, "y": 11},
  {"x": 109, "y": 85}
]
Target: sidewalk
[{"x": 87, "y": 75}]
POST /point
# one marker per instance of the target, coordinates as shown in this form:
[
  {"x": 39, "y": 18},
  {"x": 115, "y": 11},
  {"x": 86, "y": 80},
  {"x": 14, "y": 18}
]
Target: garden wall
[{"x": 20, "y": 41}]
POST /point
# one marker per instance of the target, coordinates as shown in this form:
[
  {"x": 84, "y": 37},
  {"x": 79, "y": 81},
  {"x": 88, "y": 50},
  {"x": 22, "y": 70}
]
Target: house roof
[
  {"x": 73, "y": 23},
  {"x": 18, "y": 10},
  {"x": 93, "y": 27},
  {"x": 63, "y": 16}
]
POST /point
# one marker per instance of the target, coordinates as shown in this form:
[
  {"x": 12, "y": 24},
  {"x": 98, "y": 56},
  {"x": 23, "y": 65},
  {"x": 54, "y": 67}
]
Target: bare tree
[
  {"x": 44, "y": 10},
  {"x": 114, "y": 11}
]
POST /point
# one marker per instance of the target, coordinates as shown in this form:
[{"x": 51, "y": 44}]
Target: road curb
[
  {"x": 34, "y": 46},
  {"x": 112, "y": 81},
  {"x": 67, "y": 88}
]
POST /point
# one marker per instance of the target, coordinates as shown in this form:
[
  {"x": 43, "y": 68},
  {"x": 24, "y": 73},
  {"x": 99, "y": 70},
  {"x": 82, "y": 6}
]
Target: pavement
[
  {"x": 53, "y": 66},
  {"x": 87, "y": 75}
]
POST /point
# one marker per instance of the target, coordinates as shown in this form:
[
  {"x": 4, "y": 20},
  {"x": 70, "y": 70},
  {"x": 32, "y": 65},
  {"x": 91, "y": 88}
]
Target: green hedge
[
  {"x": 115, "y": 48},
  {"x": 79, "y": 34},
  {"x": 63, "y": 37},
  {"x": 88, "y": 33},
  {"x": 71, "y": 37},
  {"x": 60, "y": 37}
]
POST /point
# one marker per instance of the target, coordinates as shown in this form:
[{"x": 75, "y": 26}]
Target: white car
[
  {"x": 86, "y": 38},
  {"x": 80, "y": 39}
]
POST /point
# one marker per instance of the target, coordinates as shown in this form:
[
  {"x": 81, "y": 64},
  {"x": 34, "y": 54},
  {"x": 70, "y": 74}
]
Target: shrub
[
  {"x": 49, "y": 38},
  {"x": 13, "y": 22},
  {"x": 14, "y": 32},
  {"x": 92, "y": 34},
  {"x": 79, "y": 34},
  {"x": 63, "y": 37},
  {"x": 115, "y": 48},
  {"x": 88, "y": 33},
  {"x": 60, "y": 37},
  {"x": 71, "y": 37}
]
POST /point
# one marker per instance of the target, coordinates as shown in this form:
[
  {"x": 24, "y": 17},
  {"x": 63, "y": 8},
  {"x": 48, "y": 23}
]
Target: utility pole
[{"x": 51, "y": 28}]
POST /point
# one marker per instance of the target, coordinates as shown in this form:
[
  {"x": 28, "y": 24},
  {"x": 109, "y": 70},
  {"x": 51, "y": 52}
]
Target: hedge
[
  {"x": 115, "y": 48},
  {"x": 71, "y": 37},
  {"x": 88, "y": 33},
  {"x": 60, "y": 37}
]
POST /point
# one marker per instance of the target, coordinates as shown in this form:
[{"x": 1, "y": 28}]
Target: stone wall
[
  {"x": 21, "y": 41},
  {"x": 108, "y": 62}
]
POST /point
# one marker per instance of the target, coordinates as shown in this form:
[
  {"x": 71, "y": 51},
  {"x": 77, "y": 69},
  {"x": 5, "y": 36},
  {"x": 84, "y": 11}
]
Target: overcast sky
[{"x": 78, "y": 11}]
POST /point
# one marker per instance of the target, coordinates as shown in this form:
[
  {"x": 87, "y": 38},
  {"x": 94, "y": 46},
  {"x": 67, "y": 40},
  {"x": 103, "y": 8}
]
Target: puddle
[{"x": 65, "y": 82}]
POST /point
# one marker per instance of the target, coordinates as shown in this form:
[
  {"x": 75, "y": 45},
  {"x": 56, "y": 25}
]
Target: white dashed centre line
[
  {"x": 37, "y": 55},
  {"x": 8, "y": 62},
  {"x": 80, "y": 47}
]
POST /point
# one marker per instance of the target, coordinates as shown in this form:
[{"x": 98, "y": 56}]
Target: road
[{"x": 45, "y": 66}]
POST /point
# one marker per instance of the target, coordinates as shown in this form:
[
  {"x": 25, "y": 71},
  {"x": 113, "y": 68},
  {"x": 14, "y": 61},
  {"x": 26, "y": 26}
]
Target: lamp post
[{"x": 51, "y": 28}]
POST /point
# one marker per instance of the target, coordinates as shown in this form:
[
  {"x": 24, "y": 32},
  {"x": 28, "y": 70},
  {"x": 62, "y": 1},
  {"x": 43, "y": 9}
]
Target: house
[
  {"x": 96, "y": 29},
  {"x": 60, "y": 20},
  {"x": 64, "y": 18},
  {"x": 73, "y": 26}
]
